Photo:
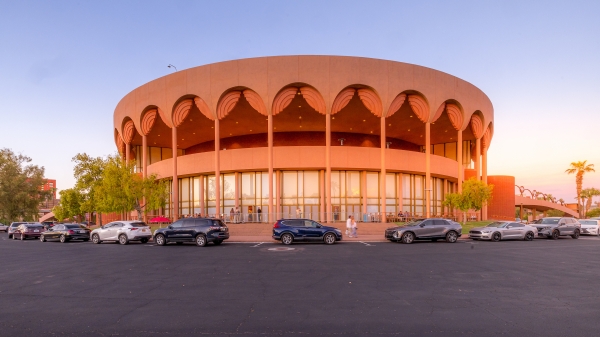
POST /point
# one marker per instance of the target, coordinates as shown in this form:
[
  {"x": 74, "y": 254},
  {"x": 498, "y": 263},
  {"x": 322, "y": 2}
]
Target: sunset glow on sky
[{"x": 65, "y": 65}]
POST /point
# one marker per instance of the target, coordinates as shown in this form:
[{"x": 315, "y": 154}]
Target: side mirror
[
  {"x": 170, "y": 227},
  {"x": 422, "y": 225}
]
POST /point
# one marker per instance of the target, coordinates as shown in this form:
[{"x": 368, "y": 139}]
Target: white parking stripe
[
  {"x": 258, "y": 244},
  {"x": 366, "y": 244}
]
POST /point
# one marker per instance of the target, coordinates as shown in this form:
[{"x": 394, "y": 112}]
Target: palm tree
[
  {"x": 561, "y": 201},
  {"x": 588, "y": 193},
  {"x": 579, "y": 168}
]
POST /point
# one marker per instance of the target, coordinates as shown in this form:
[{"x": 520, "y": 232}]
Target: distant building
[{"x": 47, "y": 205}]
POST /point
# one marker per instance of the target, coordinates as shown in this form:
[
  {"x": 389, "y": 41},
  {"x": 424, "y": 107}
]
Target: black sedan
[
  {"x": 66, "y": 232},
  {"x": 290, "y": 230}
]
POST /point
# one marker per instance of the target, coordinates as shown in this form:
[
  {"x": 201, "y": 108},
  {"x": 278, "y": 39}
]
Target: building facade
[{"x": 322, "y": 137}]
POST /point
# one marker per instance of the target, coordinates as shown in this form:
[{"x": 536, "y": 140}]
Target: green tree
[
  {"x": 579, "y": 168},
  {"x": 70, "y": 205},
  {"x": 121, "y": 189},
  {"x": 20, "y": 187},
  {"x": 593, "y": 213},
  {"x": 587, "y": 194},
  {"x": 555, "y": 212},
  {"x": 88, "y": 173},
  {"x": 475, "y": 194}
]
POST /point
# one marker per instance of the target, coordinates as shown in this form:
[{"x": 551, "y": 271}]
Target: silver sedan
[{"x": 504, "y": 230}]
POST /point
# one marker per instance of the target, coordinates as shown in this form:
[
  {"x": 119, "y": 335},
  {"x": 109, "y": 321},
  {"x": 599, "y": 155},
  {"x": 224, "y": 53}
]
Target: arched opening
[
  {"x": 470, "y": 135},
  {"x": 405, "y": 122},
  {"x": 158, "y": 137},
  {"x": 298, "y": 117},
  {"x": 444, "y": 129},
  {"x": 356, "y": 118}
]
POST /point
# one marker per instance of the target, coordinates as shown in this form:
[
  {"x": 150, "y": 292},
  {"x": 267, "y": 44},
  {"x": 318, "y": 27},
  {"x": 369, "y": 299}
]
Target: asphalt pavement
[{"x": 511, "y": 288}]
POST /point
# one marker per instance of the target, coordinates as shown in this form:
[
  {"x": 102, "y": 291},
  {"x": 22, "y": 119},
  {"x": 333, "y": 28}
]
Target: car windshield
[
  {"x": 587, "y": 222},
  {"x": 74, "y": 227},
  {"x": 549, "y": 221},
  {"x": 138, "y": 224},
  {"x": 497, "y": 224},
  {"x": 414, "y": 222}
]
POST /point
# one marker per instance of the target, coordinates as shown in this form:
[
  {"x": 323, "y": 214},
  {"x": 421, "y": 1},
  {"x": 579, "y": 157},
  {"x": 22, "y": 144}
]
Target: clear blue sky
[{"x": 64, "y": 65}]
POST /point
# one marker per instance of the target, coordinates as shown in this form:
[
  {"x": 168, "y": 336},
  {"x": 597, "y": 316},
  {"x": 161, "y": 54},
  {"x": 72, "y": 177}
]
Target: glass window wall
[{"x": 300, "y": 194}]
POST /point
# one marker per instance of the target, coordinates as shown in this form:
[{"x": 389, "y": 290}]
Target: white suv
[
  {"x": 123, "y": 232},
  {"x": 3, "y": 227}
]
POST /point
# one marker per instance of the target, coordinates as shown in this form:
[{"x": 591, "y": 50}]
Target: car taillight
[
  {"x": 214, "y": 228},
  {"x": 276, "y": 225},
  {"x": 133, "y": 229},
  {"x": 71, "y": 231}
]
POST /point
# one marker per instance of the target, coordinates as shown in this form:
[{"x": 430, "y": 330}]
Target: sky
[{"x": 64, "y": 66}]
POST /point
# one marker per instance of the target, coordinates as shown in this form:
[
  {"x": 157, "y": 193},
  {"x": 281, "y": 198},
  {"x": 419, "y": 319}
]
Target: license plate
[
  {"x": 82, "y": 232},
  {"x": 36, "y": 231},
  {"x": 144, "y": 230}
]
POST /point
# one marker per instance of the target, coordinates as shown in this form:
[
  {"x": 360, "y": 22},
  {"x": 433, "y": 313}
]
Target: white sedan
[
  {"x": 3, "y": 227},
  {"x": 590, "y": 227},
  {"x": 122, "y": 232}
]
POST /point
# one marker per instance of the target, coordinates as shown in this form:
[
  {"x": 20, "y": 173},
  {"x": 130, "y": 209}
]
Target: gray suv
[
  {"x": 425, "y": 229},
  {"x": 554, "y": 227}
]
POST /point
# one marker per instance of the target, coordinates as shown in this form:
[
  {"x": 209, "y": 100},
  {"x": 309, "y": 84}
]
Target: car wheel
[
  {"x": 329, "y": 238},
  {"x": 96, "y": 239},
  {"x": 287, "y": 239},
  {"x": 123, "y": 239},
  {"x": 408, "y": 237},
  {"x": 200, "y": 240},
  {"x": 451, "y": 237},
  {"x": 63, "y": 238},
  {"x": 529, "y": 236},
  {"x": 160, "y": 240},
  {"x": 144, "y": 240},
  {"x": 42, "y": 238},
  {"x": 555, "y": 235},
  {"x": 576, "y": 234},
  {"x": 218, "y": 242},
  {"x": 496, "y": 237}
]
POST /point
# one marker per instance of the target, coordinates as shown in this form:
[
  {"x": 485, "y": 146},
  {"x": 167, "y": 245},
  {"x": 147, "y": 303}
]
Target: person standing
[
  {"x": 231, "y": 215},
  {"x": 298, "y": 213},
  {"x": 353, "y": 227},
  {"x": 259, "y": 214},
  {"x": 349, "y": 226}
]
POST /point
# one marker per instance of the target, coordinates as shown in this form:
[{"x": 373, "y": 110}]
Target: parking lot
[{"x": 514, "y": 288}]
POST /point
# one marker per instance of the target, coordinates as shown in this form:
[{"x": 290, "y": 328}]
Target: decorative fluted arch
[
  {"x": 342, "y": 99},
  {"x": 314, "y": 99},
  {"x": 396, "y": 104},
  {"x": 181, "y": 111},
  {"x": 455, "y": 115},
  {"x": 203, "y": 107},
  {"x": 227, "y": 103},
  {"x": 128, "y": 132},
  {"x": 476, "y": 126},
  {"x": 148, "y": 121},
  {"x": 120, "y": 144},
  {"x": 255, "y": 101},
  {"x": 283, "y": 99},
  {"x": 419, "y": 107},
  {"x": 486, "y": 139},
  {"x": 371, "y": 101}
]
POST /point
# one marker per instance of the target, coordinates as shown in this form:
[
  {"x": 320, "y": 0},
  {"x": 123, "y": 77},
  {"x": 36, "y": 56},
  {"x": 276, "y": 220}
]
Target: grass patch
[{"x": 466, "y": 226}]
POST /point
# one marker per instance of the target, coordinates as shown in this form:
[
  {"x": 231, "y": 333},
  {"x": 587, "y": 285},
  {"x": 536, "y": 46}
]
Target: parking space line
[
  {"x": 258, "y": 244},
  {"x": 366, "y": 244}
]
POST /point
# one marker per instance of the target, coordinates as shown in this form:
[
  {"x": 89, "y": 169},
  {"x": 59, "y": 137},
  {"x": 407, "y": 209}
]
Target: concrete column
[
  {"x": 459, "y": 158},
  {"x": 272, "y": 216},
  {"x": 202, "y": 209},
  {"x": 217, "y": 169},
  {"x": 428, "y": 169},
  {"x": 144, "y": 156},
  {"x": 127, "y": 152},
  {"x": 237, "y": 189},
  {"x": 322, "y": 194},
  {"x": 383, "y": 177},
  {"x": 399, "y": 194},
  {"x": 363, "y": 190},
  {"x": 484, "y": 178},
  {"x": 534, "y": 213},
  {"x": 444, "y": 208},
  {"x": 277, "y": 211},
  {"x": 478, "y": 159},
  {"x": 328, "y": 166},
  {"x": 175, "y": 190}
]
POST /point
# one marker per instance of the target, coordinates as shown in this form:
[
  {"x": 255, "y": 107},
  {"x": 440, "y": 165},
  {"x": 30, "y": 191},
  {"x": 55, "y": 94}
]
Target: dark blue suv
[{"x": 290, "y": 230}]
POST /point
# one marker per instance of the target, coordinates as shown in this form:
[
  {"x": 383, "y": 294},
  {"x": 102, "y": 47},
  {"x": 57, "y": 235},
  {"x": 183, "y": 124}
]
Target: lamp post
[{"x": 172, "y": 66}]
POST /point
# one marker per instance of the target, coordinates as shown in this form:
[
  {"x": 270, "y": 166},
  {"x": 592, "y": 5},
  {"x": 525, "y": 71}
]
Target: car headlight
[
  {"x": 396, "y": 234},
  {"x": 486, "y": 231}
]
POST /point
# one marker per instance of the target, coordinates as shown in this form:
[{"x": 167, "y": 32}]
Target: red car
[{"x": 26, "y": 231}]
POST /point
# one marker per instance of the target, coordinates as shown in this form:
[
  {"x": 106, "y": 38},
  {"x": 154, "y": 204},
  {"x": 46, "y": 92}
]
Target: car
[
  {"x": 28, "y": 230},
  {"x": 289, "y": 230},
  {"x": 66, "y": 232},
  {"x": 122, "y": 232},
  {"x": 432, "y": 229},
  {"x": 3, "y": 227},
  {"x": 590, "y": 226},
  {"x": 13, "y": 227},
  {"x": 198, "y": 230},
  {"x": 555, "y": 227},
  {"x": 504, "y": 230}
]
